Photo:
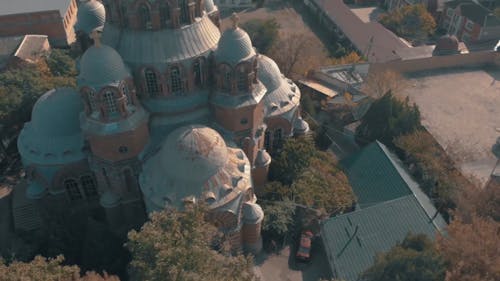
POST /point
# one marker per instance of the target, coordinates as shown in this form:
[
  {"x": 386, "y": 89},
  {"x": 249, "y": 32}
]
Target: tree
[
  {"x": 61, "y": 63},
  {"x": 292, "y": 159},
  {"x": 471, "y": 249},
  {"x": 263, "y": 33},
  {"x": 349, "y": 58},
  {"x": 379, "y": 83},
  {"x": 387, "y": 119},
  {"x": 291, "y": 53},
  {"x": 410, "y": 21},
  {"x": 52, "y": 269},
  {"x": 176, "y": 245},
  {"x": 415, "y": 259},
  {"x": 322, "y": 185},
  {"x": 278, "y": 218}
]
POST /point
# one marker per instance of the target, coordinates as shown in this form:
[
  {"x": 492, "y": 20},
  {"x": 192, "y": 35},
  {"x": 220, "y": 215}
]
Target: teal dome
[
  {"x": 234, "y": 46},
  {"x": 209, "y": 6},
  {"x": 53, "y": 136},
  {"x": 269, "y": 73},
  {"x": 101, "y": 65},
  {"x": 91, "y": 15},
  {"x": 57, "y": 113}
]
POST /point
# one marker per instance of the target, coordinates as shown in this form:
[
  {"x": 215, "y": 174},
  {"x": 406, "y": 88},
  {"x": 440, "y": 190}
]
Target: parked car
[{"x": 304, "y": 249}]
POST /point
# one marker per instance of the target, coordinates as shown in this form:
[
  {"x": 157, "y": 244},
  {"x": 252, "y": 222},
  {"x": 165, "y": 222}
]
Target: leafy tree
[
  {"x": 275, "y": 191},
  {"x": 321, "y": 138},
  {"x": 176, "y": 245},
  {"x": 415, "y": 259},
  {"x": 291, "y": 53},
  {"x": 471, "y": 249},
  {"x": 411, "y": 21},
  {"x": 293, "y": 158},
  {"x": 264, "y": 33},
  {"x": 61, "y": 63},
  {"x": 323, "y": 186},
  {"x": 52, "y": 269},
  {"x": 432, "y": 168},
  {"x": 278, "y": 218},
  {"x": 387, "y": 119}
]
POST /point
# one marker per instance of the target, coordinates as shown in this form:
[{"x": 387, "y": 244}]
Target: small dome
[
  {"x": 35, "y": 190},
  {"x": 234, "y": 46},
  {"x": 57, "y": 113},
  {"x": 101, "y": 65},
  {"x": 53, "y": 136},
  {"x": 252, "y": 213},
  {"x": 447, "y": 44},
  {"x": 91, "y": 15},
  {"x": 269, "y": 73},
  {"x": 209, "y": 6},
  {"x": 262, "y": 159},
  {"x": 300, "y": 126}
]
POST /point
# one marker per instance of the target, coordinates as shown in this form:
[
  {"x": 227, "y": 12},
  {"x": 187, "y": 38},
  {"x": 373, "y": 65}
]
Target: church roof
[
  {"x": 91, "y": 15},
  {"x": 234, "y": 46},
  {"x": 54, "y": 135},
  {"x": 156, "y": 48},
  {"x": 101, "y": 65}
]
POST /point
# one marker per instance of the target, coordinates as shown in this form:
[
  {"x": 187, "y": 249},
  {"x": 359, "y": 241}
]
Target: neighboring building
[
  {"x": 433, "y": 6},
  {"x": 18, "y": 49},
  {"x": 54, "y": 18},
  {"x": 390, "y": 205},
  {"x": 470, "y": 22},
  {"x": 168, "y": 111}
]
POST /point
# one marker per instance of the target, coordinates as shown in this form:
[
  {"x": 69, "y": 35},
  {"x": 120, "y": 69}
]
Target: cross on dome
[{"x": 235, "y": 19}]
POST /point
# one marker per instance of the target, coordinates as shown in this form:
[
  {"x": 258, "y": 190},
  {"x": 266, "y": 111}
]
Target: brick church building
[{"x": 168, "y": 111}]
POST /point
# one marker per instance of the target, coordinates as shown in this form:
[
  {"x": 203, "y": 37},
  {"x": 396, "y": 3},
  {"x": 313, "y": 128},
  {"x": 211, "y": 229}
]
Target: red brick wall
[{"x": 49, "y": 23}]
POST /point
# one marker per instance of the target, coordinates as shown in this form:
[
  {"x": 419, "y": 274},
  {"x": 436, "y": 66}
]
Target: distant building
[
  {"x": 234, "y": 3},
  {"x": 433, "y": 6},
  {"x": 469, "y": 21},
  {"x": 17, "y": 49},
  {"x": 54, "y": 18},
  {"x": 390, "y": 205}
]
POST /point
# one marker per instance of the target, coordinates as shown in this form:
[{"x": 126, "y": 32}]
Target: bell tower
[{"x": 116, "y": 128}]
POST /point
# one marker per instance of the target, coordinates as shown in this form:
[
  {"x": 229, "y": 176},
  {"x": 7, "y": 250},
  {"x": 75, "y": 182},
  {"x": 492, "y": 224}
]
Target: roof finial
[
  {"x": 96, "y": 36},
  {"x": 235, "y": 19}
]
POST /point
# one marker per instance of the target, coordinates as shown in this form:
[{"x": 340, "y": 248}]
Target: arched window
[
  {"x": 175, "y": 80},
  {"x": 199, "y": 75},
  {"x": 183, "y": 4},
  {"x": 164, "y": 13},
  {"x": 72, "y": 188},
  {"x": 109, "y": 100},
  {"x": 242, "y": 80},
  {"x": 92, "y": 100},
  {"x": 129, "y": 179},
  {"x": 89, "y": 185},
  {"x": 267, "y": 140},
  {"x": 227, "y": 78},
  {"x": 145, "y": 16},
  {"x": 124, "y": 16},
  {"x": 151, "y": 83},
  {"x": 277, "y": 137}
]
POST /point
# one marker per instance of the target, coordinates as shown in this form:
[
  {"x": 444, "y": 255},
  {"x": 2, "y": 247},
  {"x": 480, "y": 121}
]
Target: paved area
[
  {"x": 282, "y": 267},
  {"x": 461, "y": 109}
]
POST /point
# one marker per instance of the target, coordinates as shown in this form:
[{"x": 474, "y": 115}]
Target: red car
[{"x": 304, "y": 251}]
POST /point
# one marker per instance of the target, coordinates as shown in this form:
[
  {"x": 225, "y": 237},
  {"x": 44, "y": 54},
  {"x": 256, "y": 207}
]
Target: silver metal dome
[
  {"x": 234, "y": 46},
  {"x": 91, "y": 16},
  {"x": 101, "y": 65}
]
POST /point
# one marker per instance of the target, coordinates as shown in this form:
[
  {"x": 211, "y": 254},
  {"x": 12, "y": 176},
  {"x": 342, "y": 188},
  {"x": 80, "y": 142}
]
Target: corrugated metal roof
[
  {"x": 352, "y": 240},
  {"x": 9, "y": 7},
  {"x": 373, "y": 176}
]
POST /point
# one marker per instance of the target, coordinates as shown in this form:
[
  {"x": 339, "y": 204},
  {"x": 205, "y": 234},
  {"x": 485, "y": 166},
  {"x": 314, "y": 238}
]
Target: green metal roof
[
  {"x": 375, "y": 177},
  {"x": 352, "y": 240}
]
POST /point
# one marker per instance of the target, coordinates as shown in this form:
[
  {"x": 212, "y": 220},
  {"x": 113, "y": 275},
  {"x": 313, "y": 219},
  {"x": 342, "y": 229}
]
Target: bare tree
[{"x": 379, "y": 83}]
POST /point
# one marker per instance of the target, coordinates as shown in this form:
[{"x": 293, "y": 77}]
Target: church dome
[
  {"x": 447, "y": 45},
  {"x": 91, "y": 15},
  {"x": 101, "y": 65},
  {"x": 209, "y": 6},
  {"x": 252, "y": 213},
  {"x": 56, "y": 113},
  {"x": 234, "y": 46},
  {"x": 300, "y": 126},
  {"x": 54, "y": 136},
  {"x": 269, "y": 73},
  {"x": 193, "y": 152}
]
